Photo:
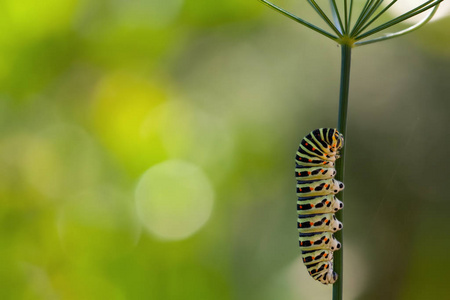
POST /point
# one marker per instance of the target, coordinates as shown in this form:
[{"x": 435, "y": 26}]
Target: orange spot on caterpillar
[
  {"x": 326, "y": 185},
  {"x": 326, "y": 239},
  {"x": 310, "y": 160},
  {"x": 313, "y": 149},
  {"x": 309, "y": 173},
  {"x": 299, "y": 224},
  {"x": 301, "y": 243},
  {"x": 311, "y": 223},
  {"x": 300, "y": 208},
  {"x": 299, "y": 174},
  {"x": 312, "y": 205},
  {"x": 311, "y": 189},
  {"x": 306, "y": 144}
]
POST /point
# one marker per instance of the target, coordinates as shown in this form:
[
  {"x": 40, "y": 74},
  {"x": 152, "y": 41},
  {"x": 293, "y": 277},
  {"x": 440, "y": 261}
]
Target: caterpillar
[{"x": 317, "y": 203}]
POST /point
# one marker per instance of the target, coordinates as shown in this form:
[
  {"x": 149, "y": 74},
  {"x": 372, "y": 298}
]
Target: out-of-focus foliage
[{"x": 147, "y": 147}]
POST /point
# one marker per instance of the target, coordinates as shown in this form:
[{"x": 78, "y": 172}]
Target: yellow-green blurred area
[{"x": 147, "y": 152}]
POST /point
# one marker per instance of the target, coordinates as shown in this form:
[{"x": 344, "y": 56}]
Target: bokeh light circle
[{"x": 174, "y": 199}]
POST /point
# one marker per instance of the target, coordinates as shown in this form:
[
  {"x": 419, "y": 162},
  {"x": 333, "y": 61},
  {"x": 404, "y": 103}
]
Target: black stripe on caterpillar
[{"x": 317, "y": 203}]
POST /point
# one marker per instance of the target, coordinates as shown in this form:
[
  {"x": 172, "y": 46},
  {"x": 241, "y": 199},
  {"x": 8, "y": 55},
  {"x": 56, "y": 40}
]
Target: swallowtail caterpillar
[{"x": 317, "y": 203}]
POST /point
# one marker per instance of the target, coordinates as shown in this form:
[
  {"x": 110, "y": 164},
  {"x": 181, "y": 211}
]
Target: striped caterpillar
[{"x": 317, "y": 203}]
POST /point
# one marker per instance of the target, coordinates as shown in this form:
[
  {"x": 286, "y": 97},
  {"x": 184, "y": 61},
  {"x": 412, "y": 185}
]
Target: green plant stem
[{"x": 342, "y": 128}]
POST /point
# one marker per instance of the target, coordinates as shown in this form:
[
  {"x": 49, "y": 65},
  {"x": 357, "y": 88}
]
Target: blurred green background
[{"x": 147, "y": 152}]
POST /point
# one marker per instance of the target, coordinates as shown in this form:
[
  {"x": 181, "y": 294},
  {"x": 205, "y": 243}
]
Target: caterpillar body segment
[
  {"x": 307, "y": 150},
  {"x": 319, "y": 187},
  {"x": 316, "y": 256},
  {"x": 311, "y": 161},
  {"x": 318, "y": 205},
  {"x": 316, "y": 188},
  {"x": 326, "y": 139},
  {"x": 319, "y": 222},
  {"x": 314, "y": 173},
  {"x": 318, "y": 241},
  {"x": 323, "y": 272}
]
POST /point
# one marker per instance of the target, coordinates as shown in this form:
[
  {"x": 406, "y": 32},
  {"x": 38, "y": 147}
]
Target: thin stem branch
[
  {"x": 402, "y": 32},
  {"x": 409, "y": 14},
  {"x": 376, "y": 17},
  {"x": 345, "y": 17},
  {"x": 369, "y": 13},
  {"x": 361, "y": 15},
  {"x": 337, "y": 17},
  {"x": 299, "y": 20},
  {"x": 324, "y": 16},
  {"x": 338, "y": 264},
  {"x": 350, "y": 12}
]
